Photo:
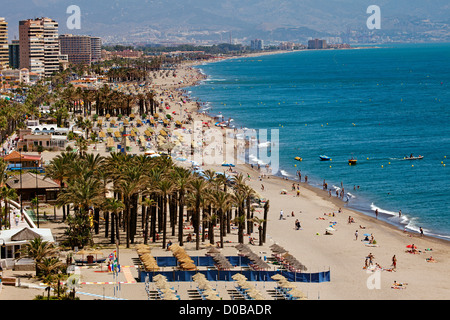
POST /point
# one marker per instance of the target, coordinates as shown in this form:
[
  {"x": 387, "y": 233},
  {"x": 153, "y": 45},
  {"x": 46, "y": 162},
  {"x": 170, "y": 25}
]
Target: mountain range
[{"x": 216, "y": 21}]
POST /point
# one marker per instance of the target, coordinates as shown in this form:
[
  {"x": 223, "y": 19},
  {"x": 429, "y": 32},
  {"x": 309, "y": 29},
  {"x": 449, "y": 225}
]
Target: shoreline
[
  {"x": 367, "y": 210},
  {"x": 340, "y": 252}
]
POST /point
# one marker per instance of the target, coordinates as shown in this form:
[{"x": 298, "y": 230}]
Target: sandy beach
[{"x": 341, "y": 253}]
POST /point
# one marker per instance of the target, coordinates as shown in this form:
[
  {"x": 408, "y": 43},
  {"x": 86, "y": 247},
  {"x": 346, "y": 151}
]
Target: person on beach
[
  {"x": 356, "y": 235},
  {"x": 400, "y": 214},
  {"x": 262, "y": 187},
  {"x": 297, "y": 225},
  {"x": 298, "y": 193},
  {"x": 394, "y": 262},
  {"x": 281, "y": 214},
  {"x": 376, "y": 213},
  {"x": 371, "y": 257},
  {"x": 421, "y": 231}
]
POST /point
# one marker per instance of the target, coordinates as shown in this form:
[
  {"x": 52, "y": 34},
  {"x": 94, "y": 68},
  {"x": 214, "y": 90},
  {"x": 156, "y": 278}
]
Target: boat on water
[
  {"x": 411, "y": 157},
  {"x": 352, "y": 161},
  {"x": 324, "y": 158},
  {"x": 298, "y": 158}
]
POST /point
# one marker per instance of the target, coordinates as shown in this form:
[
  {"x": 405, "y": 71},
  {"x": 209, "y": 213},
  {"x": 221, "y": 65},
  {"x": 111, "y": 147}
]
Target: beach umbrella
[
  {"x": 411, "y": 246},
  {"x": 366, "y": 235},
  {"x": 277, "y": 277}
]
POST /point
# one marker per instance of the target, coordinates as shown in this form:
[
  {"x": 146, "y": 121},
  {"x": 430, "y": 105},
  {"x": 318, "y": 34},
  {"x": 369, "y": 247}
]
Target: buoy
[
  {"x": 412, "y": 165},
  {"x": 330, "y": 166},
  {"x": 382, "y": 166},
  {"x": 389, "y": 163}
]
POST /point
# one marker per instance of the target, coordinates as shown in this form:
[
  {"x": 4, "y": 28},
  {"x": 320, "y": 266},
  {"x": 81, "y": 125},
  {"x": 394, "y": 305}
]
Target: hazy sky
[{"x": 119, "y": 15}]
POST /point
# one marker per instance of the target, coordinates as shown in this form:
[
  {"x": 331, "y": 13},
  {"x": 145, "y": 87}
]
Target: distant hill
[{"x": 277, "y": 20}]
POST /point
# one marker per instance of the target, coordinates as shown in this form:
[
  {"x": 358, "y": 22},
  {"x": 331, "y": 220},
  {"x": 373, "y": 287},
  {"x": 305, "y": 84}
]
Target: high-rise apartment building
[
  {"x": 4, "y": 49},
  {"x": 257, "y": 44},
  {"x": 14, "y": 54},
  {"x": 81, "y": 49},
  {"x": 96, "y": 49},
  {"x": 39, "y": 46},
  {"x": 317, "y": 44}
]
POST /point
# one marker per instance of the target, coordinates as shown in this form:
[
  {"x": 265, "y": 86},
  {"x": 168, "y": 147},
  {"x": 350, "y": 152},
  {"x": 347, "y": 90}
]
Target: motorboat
[
  {"x": 298, "y": 158},
  {"x": 352, "y": 161},
  {"x": 324, "y": 158},
  {"x": 411, "y": 157}
]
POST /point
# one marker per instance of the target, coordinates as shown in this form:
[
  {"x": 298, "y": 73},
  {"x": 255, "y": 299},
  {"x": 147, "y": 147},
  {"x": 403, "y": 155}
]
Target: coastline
[
  {"x": 340, "y": 253},
  {"x": 392, "y": 239},
  {"x": 366, "y": 209}
]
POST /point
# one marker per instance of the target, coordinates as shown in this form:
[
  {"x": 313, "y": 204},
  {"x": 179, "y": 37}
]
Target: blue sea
[{"x": 375, "y": 104}]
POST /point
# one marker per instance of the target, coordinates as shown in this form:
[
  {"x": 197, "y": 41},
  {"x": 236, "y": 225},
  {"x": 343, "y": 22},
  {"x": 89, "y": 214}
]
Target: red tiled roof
[{"x": 17, "y": 156}]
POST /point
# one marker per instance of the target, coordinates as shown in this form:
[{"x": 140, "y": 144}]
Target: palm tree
[
  {"x": 37, "y": 249},
  {"x": 84, "y": 191},
  {"x": 7, "y": 194},
  {"x": 165, "y": 187},
  {"x": 49, "y": 266},
  {"x": 248, "y": 193},
  {"x": 131, "y": 182},
  {"x": 148, "y": 203},
  {"x": 58, "y": 170},
  {"x": 260, "y": 222},
  {"x": 181, "y": 178},
  {"x": 266, "y": 211},
  {"x": 114, "y": 206},
  {"x": 198, "y": 187},
  {"x": 222, "y": 202},
  {"x": 239, "y": 199}
]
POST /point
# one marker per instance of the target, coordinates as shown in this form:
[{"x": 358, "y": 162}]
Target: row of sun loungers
[
  {"x": 164, "y": 289},
  {"x": 256, "y": 262},
  {"x": 286, "y": 259},
  {"x": 287, "y": 289},
  {"x": 185, "y": 262},
  {"x": 204, "y": 288},
  {"x": 148, "y": 261},
  {"x": 246, "y": 289}
]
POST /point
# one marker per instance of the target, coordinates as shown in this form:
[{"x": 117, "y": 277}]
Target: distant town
[{"x": 34, "y": 56}]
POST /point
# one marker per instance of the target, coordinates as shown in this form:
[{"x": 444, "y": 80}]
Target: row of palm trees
[{"x": 149, "y": 195}]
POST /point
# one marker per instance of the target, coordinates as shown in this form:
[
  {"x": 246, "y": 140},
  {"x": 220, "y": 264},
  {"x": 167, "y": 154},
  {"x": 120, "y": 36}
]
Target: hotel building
[
  {"x": 39, "y": 46},
  {"x": 4, "y": 49},
  {"x": 80, "y": 49}
]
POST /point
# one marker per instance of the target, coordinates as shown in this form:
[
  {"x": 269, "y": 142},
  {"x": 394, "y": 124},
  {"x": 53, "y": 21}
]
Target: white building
[{"x": 22, "y": 230}]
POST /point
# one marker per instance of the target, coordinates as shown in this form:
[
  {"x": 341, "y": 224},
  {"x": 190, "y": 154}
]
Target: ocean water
[{"x": 375, "y": 104}]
